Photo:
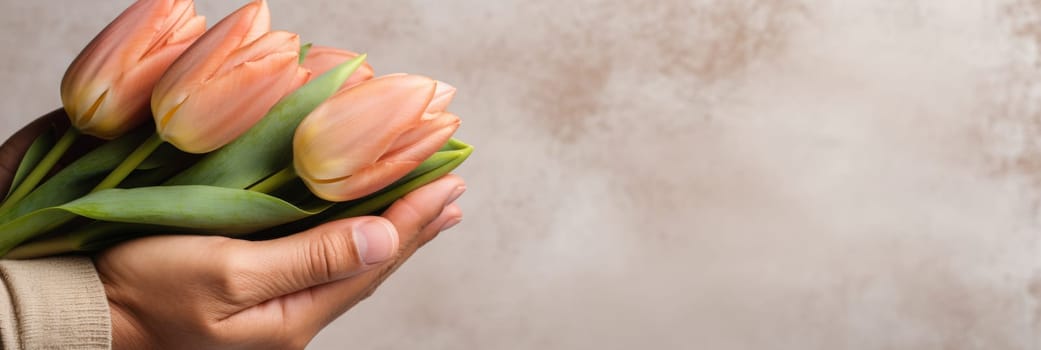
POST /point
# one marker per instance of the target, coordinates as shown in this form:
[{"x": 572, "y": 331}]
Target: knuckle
[
  {"x": 231, "y": 275},
  {"x": 428, "y": 236},
  {"x": 217, "y": 332},
  {"x": 329, "y": 255},
  {"x": 413, "y": 211},
  {"x": 214, "y": 331},
  {"x": 453, "y": 211},
  {"x": 292, "y": 336}
]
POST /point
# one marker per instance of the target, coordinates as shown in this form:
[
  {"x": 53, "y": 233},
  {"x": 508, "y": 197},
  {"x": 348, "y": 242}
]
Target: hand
[
  {"x": 197, "y": 292},
  {"x": 207, "y": 292}
]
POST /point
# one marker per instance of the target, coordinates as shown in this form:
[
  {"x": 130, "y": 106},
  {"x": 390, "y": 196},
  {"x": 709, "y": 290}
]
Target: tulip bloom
[
  {"x": 321, "y": 59},
  {"x": 227, "y": 81},
  {"x": 366, "y": 137},
  {"x": 106, "y": 89}
]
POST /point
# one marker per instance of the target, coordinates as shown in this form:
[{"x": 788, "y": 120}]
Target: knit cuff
[{"x": 54, "y": 303}]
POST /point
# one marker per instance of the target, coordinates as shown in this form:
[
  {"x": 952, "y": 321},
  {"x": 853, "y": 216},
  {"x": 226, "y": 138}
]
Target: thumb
[{"x": 327, "y": 253}]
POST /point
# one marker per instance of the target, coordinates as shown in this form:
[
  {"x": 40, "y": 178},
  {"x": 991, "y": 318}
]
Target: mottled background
[{"x": 690, "y": 174}]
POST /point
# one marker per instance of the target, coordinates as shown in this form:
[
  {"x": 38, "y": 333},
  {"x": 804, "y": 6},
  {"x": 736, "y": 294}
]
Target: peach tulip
[
  {"x": 227, "y": 81},
  {"x": 106, "y": 89},
  {"x": 321, "y": 59},
  {"x": 364, "y": 138}
]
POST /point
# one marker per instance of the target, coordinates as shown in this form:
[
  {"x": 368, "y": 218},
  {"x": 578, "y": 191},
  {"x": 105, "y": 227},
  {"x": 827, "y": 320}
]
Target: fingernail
[
  {"x": 455, "y": 194},
  {"x": 376, "y": 241},
  {"x": 450, "y": 224}
]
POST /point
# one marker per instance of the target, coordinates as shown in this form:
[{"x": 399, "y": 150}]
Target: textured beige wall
[{"x": 690, "y": 174}]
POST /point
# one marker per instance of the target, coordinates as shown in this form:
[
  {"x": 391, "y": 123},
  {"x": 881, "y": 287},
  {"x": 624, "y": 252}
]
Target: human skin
[{"x": 208, "y": 292}]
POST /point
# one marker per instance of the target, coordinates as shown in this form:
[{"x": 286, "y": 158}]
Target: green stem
[
  {"x": 46, "y": 247},
  {"x": 130, "y": 163},
  {"x": 274, "y": 182},
  {"x": 41, "y": 169}
]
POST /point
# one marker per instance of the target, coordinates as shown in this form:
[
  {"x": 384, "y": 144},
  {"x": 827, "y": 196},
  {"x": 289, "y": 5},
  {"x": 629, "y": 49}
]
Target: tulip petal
[
  {"x": 247, "y": 91},
  {"x": 267, "y": 147},
  {"x": 354, "y": 127},
  {"x": 181, "y": 25},
  {"x": 369, "y": 180},
  {"x": 321, "y": 59},
  {"x": 129, "y": 28},
  {"x": 130, "y": 93},
  {"x": 422, "y": 142},
  {"x": 273, "y": 42},
  {"x": 188, "y": 32},
  {"x": 302, "y": 77},
  {"x": 136, "y": 39},
  {"x": 202, "y": 60},
  {"x": 453, "y": 154},
  {"x": 92, "y": 90},
  {"x": 82, "y": 106},
  {"x": 261, "y": 21},
  {"x": 442, "y": 98}
]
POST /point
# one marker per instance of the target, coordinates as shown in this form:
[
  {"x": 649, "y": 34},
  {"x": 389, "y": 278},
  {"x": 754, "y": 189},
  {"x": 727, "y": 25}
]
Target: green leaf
[
  {"x": 79, "y": 177},
  {"x": 303, "y": 52},
  {"x": 454, "y": 153},
  {"x": 162, "y": 156},
  {"x": 91, "y": 238},
  {"x": 268, "y": 146},
  {"x": 199, "y": 209},
  {"x": 133, "y": 213},
  {"x": 32, "y": 157},
  {"x": 28, "y": 226},
  {"x": 261, "y": 151},
  {"x": 169, "y": 161}
]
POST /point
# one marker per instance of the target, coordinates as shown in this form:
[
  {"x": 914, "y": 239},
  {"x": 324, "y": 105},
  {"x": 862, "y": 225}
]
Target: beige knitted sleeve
[{"x": 54, "y": 303}]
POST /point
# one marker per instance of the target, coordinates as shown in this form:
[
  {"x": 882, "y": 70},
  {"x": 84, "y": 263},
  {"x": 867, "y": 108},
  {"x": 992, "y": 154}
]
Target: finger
[
  {"x": 338, "y": 249},
  {"x": 347, "y": 293},
  {"x": 451, "y": 216},
  {"x": 411, "y": 215},
  {"x": 332, "y": 251},
  {"x": 414, "y": 212}
]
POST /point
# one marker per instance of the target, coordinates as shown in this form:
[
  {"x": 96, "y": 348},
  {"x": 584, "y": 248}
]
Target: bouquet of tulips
[{"x": 254, "y": 135}]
